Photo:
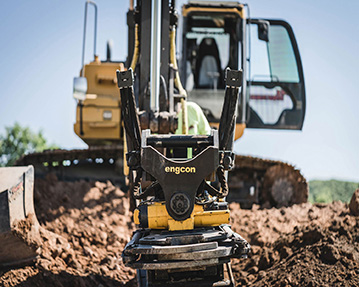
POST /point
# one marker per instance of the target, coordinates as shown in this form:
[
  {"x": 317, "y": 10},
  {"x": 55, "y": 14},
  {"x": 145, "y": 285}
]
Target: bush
[
  {"x": 18, "y": 141},
  {"x": 325, "y": 191}
]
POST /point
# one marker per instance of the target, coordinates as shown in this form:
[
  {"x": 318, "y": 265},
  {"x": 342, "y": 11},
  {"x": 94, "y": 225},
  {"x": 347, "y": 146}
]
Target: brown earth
[
  {"x": 84, "y": 227},
  {"x": 354, "y": 203},
  {"x": 303, "y": 245}
]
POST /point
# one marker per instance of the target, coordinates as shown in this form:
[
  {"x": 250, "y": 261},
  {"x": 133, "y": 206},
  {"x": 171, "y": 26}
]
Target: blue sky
[{"x": 40, "y": 53}]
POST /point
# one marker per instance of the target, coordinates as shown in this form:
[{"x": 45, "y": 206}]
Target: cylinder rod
[{"x": 155, "y": 54}]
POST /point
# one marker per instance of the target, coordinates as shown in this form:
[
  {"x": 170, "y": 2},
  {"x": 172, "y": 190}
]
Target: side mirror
[
  {"x": 263, "y": 29},
  {"x": 80, "y": 88}
]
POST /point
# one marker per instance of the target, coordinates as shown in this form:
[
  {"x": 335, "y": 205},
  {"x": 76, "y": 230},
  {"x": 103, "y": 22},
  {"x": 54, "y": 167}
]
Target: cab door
[{"x": 275, "y": 88}]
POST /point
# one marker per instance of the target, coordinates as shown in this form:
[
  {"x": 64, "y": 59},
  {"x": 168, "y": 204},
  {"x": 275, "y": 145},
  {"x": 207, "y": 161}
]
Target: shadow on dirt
[{"x": 64, "y": 279}]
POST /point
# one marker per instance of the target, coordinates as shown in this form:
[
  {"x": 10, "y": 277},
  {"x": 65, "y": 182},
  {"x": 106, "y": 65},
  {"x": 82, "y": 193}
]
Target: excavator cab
[
  {"x": 210, "y": 43},
  {"x": 218, "y": 35}
]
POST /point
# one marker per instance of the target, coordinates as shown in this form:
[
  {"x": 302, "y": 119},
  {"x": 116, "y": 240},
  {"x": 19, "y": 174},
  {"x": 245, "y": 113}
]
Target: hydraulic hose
[
  {"x": 173, "y": 61},
  {"x": 136, "y": 50},
  {"x": 184, "y": 117}
]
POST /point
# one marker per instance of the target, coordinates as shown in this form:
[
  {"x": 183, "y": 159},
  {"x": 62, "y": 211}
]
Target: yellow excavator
[
  {"x": 180, "y": 178},
  {"x": 211, "y": 35},
  {"x": 242, "y": 73}
]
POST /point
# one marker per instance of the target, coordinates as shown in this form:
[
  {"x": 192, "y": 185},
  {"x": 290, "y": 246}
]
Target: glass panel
[
  {"x": 218, "y": 47},
  {"x": 273, "y": 61},
  {"x": 276, "y": 95},
  {"x": 209, "y": 100},
  {"x": 269, "y": 103},
  {"x": 211, "y": 45},
  {"x": 259, "y": 65},
  {"x": 283, "y": 65},
  {"x": 209, "y": 94},
  {"x": 221, "y": 39}
]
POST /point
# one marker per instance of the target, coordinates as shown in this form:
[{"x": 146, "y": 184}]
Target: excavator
[
  {"x": 183, "y": 236},
  {"x": 135, "y": 115},
  {"x": 178, "y": 175},
  {"x": 211, "y": 36}
]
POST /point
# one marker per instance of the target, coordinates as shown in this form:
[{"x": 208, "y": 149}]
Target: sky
[{"x": 40, "y": 53}]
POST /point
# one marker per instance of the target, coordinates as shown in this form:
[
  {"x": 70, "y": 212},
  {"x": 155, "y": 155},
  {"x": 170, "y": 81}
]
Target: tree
[
  {"x": 18, "y": 141},
  {"x": 325, "y": 191}
]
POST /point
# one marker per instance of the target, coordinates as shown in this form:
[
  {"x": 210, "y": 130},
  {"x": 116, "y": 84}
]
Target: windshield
[{"x": 210, "y": 46}]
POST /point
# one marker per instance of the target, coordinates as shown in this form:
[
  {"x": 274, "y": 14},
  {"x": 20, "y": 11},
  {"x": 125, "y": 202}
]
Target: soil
[
  {"x": 354, "y": 203},
  {"x": 302, "y": 245},
  {"x": 83, "y": 230},
  {"x": 85, "y": 226}
]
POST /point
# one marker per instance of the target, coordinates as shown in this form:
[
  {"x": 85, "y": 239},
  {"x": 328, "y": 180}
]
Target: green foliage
[
  {"x": 18, "y": 141},
  {"x": 325, "y": 191}
]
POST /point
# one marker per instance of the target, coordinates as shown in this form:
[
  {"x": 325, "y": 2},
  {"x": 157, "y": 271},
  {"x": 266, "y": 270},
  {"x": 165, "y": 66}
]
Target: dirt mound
[
  {"x": 85, "y": 226},
  {"x": 304, "y": 245},
  {"x": 354, "y": 203}
]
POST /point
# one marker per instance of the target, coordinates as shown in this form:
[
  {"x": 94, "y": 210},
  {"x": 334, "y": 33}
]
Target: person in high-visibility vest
[{"x": 196, "y": 120}]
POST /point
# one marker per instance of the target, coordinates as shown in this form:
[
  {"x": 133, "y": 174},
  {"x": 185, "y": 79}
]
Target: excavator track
[
  {"x": 252, "y": 180},
  {"x": 95, "y": 163},
  {"x": 266, "y": 182}
]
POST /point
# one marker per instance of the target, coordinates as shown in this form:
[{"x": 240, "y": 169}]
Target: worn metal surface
[
  {"x": 197, "y": 169},
  {"x": 16, "y": 203},
  {"x": 170, "y": 250},
  {"x": 219, "y": 244},
  {"x": 218, "y": 252},
  {"x": 184, "y": 237},
  {"x": 160, "y": 265}
]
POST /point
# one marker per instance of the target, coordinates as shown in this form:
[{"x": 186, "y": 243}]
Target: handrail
[{"x": 84, "y": 34}]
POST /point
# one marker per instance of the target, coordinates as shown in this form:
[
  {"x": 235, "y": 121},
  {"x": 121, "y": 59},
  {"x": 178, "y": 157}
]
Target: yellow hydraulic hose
[
  {"x": 135, "y": 50},
  {"x": 184, "y": 117},
  {"x": 173, "y": 61}
]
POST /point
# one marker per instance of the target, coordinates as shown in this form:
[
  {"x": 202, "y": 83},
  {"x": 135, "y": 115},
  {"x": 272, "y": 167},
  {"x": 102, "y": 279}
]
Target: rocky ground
[
  {"x": 303, "y": 245},
  {"x": 84, "y": 227}
]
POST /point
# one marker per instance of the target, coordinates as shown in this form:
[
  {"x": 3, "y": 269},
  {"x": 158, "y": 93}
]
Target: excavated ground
[{"x": 84, "y": 227}]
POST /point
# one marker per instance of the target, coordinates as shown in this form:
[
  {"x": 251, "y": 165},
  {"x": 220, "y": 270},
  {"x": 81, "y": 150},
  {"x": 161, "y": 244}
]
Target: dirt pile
[
  {"x": 354, "y": 203},
  {"x": 84, "y": 228},
  {"x": 303, "y": 245}
]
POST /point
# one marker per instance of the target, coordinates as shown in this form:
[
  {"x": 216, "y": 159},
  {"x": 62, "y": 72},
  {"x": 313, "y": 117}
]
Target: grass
[{"x": 325, "y": 191}]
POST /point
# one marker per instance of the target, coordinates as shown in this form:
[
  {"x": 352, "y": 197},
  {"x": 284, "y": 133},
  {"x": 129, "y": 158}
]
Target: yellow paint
[
  {"x": 211, "y": 218},
  {"x": 158, "y": 218},
  {"x": 92, "y": 132},
  {"x": 187, "y": 224},
  {"x": 126, "y": 169},
  {"x": 239, "y": 130},
  {"x": 101, "y": 78},
  {"x": 102, "y": 96},
  {"x": 101, "y": 101},
  {"x": 136, "y": 218},
  {"x": 95, "y": 114},
  {"x": 186, "y": 11},
  {"x": 94, "y": 125}
]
